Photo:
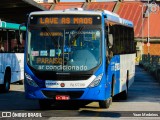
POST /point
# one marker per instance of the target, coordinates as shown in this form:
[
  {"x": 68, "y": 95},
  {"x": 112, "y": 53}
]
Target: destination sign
[
  {"x": 45, "y": 60},
  {"x": 51, "y": 34},
  {"x": 66, "y": 20},
  {"x": 56, "y": 20}
]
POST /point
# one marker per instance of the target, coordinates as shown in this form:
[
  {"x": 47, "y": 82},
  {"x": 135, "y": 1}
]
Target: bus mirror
[
  {"x": 21, "y": 28},
  {"x": 20, "y": 37},
  {"x": 110, "y": 40}
]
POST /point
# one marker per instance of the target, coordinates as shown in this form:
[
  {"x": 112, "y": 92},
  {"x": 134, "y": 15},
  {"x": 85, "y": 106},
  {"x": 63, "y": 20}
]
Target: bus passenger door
[
  {"x": 3, "y": 48},
  {"x": 16, "y": 55}
]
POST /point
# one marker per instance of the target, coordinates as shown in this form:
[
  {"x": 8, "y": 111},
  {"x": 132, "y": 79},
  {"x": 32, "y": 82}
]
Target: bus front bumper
[{"x": 95, "y": 93}]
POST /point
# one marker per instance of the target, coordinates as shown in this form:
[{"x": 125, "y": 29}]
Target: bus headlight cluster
[
  {"x": 96, "y": 81},
  {"x": 30, "y": 81}
]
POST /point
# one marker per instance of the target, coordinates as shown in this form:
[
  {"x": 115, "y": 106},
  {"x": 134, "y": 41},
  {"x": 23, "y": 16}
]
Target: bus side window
[
  {"x": 1, "y": 48},
  {"x": 17, "y": 45},
  {"x": 3, "y": 40}
]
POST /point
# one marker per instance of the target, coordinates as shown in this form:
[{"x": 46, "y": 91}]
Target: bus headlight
[
  {"x": 30, "y": 81},
  {"x": 96, "y": 81}
]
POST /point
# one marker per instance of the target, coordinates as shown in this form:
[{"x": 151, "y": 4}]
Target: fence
[{"x": 151, "y": 63}]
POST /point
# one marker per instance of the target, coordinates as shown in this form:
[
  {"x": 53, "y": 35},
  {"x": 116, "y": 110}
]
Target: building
[
  {"x": 44, "y": 1},
  {"x": 15, "y": 11},
  {"x": 144, "y": 16}
]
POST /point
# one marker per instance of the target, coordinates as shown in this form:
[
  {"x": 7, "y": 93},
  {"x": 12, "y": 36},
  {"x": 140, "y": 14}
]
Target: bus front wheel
[{"x": 105, "y": 103}]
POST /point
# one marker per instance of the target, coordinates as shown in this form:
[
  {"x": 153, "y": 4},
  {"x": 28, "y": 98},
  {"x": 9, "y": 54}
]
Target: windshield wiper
[
  {"x": 76, "y": 35},
  {"x": 46, "y": 29}
]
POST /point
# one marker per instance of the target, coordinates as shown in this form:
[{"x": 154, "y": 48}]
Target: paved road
[{"x": 144, "y": 97}]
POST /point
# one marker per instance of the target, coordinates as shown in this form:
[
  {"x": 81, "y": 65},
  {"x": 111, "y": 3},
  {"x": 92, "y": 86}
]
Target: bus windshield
[{"x": 64, "y": 49}]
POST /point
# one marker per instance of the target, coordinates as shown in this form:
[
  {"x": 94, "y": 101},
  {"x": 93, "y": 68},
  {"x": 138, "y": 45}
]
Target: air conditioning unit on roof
[
  {"x": 80, "y": 9},
  {"x": 110, "y": 13}
]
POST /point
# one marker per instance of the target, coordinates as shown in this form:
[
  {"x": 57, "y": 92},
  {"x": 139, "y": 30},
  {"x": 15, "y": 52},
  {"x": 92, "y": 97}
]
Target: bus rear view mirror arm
[
  {"x": 110, "y": 40},
  {"x": 21, "y": 27}
]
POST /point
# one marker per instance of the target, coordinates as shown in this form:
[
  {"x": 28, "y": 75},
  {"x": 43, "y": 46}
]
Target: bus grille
[{"x": 72, "y": 94}]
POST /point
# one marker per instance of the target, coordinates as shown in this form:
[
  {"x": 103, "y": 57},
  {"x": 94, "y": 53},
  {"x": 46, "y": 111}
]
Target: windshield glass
[{"x": 64, "y": 49}]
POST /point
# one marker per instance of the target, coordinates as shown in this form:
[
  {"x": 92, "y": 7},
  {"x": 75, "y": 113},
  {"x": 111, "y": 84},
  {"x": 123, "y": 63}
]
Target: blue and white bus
[
  {"x": 11, "y": 54},
  {"x": 76, "y": 54}
]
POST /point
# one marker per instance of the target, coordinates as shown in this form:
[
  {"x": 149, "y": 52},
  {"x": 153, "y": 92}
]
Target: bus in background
[
  {"x": 11, "y": 55},
  {"x": 76, "y": 54}
]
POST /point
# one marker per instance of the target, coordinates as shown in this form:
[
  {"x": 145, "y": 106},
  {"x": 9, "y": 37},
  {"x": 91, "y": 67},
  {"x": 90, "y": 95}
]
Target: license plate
[{"x": 62, "y": 97}]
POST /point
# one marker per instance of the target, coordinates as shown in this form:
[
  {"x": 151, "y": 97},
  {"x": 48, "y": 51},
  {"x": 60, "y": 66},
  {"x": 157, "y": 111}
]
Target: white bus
[{"x": 11, "y": 55}]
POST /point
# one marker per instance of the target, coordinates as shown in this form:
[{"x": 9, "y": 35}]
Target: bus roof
[
  {"x": 12, "y": 26},
  {"x": 113, "y": 17},
  {"x": 109, "y": 16}
]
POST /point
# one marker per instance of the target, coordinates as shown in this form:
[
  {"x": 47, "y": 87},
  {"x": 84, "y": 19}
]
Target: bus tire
[
  {"x": 7, "y": 80},
  {"x": 44, "y": 104},
  {"x": 105, "y": 103},
  {"x": 108, "y": 102}
]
